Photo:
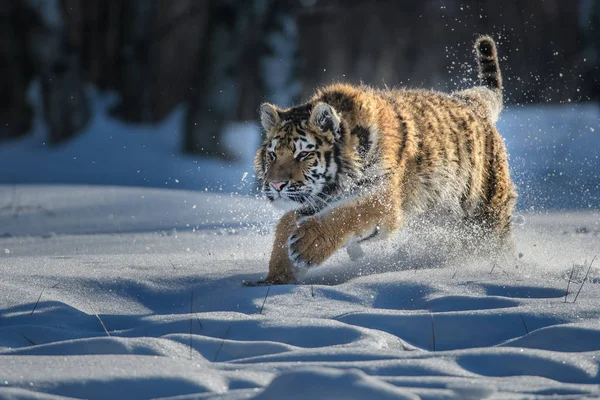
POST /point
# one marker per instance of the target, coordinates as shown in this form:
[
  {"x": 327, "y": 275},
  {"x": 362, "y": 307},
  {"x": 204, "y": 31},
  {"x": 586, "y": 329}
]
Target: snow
[
  {"x": 115, "y": 292},
  {"x": 110, "y": 152},
  {"x": 554, "y": 155},
  {"x": 122, "y": 265}
]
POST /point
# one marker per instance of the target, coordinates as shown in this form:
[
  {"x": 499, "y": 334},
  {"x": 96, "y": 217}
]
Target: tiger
[{"x": 354, "y": 161}]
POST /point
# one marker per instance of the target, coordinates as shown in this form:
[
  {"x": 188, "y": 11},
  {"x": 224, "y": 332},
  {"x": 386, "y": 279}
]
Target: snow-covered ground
[{"x": 131, "y": 293}]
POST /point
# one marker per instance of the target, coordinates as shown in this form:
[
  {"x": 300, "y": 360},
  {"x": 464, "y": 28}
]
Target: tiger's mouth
[
  {"x": 289, "y": 200},
  {"x": 304, "y": 201},
  {"x": 295, "y": 197}
]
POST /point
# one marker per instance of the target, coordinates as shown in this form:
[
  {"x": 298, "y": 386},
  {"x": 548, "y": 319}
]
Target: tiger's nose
[{"x": 278, "y": 185}]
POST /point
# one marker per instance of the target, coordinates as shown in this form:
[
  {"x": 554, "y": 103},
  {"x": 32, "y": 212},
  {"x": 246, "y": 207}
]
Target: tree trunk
[
  {"x": 66, "y": 108},
  {"x": 279, "y": 58},
  {"x": 16, "y": 72},
  {"x": 136, "y": 74},
  {"x": 593, "y": 36},
  {"x": 215, "y": 94}
]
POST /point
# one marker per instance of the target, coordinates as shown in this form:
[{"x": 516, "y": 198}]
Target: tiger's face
[{"x": 298, "y": 162}]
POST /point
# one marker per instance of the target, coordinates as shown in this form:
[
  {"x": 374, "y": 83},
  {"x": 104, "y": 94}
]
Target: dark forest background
[{"x": 222, "y": 58}]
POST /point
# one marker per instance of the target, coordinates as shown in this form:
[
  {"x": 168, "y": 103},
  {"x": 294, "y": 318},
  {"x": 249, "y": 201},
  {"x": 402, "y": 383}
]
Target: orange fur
[{"x": 379, "y": 155}]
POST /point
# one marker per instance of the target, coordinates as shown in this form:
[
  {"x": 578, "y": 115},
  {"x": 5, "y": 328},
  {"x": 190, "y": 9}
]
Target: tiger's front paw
[{"x": 310, "y": 244}]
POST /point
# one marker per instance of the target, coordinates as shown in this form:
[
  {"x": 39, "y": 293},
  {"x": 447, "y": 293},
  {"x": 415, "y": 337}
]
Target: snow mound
[
  {"x": 149, "y": 303},
  {"x": 328, "y": 383}
]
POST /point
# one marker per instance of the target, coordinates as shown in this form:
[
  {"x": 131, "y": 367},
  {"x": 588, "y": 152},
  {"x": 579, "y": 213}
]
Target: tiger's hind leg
[{"x": 499, "y": 197}]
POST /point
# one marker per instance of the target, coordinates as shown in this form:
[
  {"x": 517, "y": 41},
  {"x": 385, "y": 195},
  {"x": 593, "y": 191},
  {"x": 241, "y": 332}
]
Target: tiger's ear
[
  {"x": 269, "y": 116},
  {"x": 324, "y": 117}
]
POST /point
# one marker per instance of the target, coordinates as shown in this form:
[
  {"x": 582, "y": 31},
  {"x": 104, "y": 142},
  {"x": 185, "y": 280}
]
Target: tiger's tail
[
  {"x": 486, "y": 97},
  {"x": 487, "y": 61}
]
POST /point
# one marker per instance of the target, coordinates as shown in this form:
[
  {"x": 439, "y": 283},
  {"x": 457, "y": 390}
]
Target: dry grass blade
[
  {"x": 25, "y": 337},
  {"x": 38, "y": 301},
  {"x": 265, "y": 300},
  {"x": 199, "y": 323},
  {"x": 312, "y": 290},
  {"x": 569, "y": 282},
  {"x": 40, "y": 296},
  {"x": 172, "y": 265},
  {"x": 524, "y": 324},
  {"x": 585, "y": 278},
  {"x": 99, "y": 319},
  {"x": 191, "y": 320},
  {"x": 102, "y": 323},
  {"x": 432, "y": 331},
  {"x": 222, "y": 343}
]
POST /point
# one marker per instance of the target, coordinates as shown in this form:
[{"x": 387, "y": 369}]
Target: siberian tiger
[{"x": 351, "y": 163}]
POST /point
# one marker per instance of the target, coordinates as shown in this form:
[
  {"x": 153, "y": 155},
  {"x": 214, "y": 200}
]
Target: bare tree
[
  {"x": 215, "y": 94},
  {"x": 591, "y": 13},
  {"x": 16, "y": 72},
  {"x": 279, "y": 59},
  {"x": 260, "y": 35},
  {"x": 66, "y": 107},
  {"x": 136, "y": 72}
]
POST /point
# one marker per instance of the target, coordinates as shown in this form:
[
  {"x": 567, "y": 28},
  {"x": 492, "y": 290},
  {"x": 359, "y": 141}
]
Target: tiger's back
[{"x": 448, "y": 154}]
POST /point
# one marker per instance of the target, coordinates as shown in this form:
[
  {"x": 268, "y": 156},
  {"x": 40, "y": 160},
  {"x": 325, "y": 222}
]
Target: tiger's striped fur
[{"x": 354, "y": 161}]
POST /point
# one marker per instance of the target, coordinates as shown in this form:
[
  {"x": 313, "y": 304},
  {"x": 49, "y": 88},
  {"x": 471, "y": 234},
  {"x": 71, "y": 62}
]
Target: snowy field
[
  {"x": 136, "y": 293},
  {"x": 115, "y": 285}
]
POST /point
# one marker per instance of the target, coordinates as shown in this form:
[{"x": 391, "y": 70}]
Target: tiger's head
[{"x": 298, "y": 164}]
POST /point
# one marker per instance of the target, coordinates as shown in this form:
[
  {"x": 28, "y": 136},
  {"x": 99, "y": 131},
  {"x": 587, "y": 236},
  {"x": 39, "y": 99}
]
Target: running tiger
[{"x": 350, "y": 164}]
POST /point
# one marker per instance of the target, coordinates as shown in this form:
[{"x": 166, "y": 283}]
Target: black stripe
[
  {"x": 488, "y": 67},
  {"x": 491, "y": 189},
  {"x": 403, "y": 130},
  {"x": 342, "y": 133},
  {"x": 364, "y": 141},
  {"x": 486, "y": 47},
  {"x": 337, "y": 159},
  {"x": 339, "y": 100},
  {"x": 300, "y": 131},
  {"x": 297, "y": 113},
  {"x": 262, "y": 159},
  {"x": 327, "y": 156},
  {"x": 488, "y": 81}
]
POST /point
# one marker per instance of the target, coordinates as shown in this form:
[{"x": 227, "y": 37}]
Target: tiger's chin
[{"x": 286, "y": 204}]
